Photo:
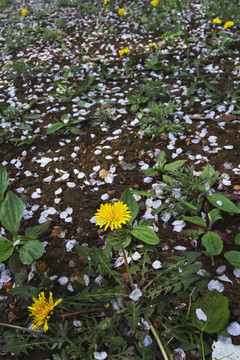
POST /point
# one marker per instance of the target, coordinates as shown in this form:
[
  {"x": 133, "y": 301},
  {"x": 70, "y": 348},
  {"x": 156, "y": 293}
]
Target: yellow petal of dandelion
[
  {"x": 152, "y": 46},
  {"x": 217, "y": 21},
  {"x": 41, "y": 310},
  {"x": 155, "y": 2},
  {"x": 105, "y": 2},
  {"x": 113, "y": 215},
  {"x": 228, "y": 24},
  {"x": 24, "y": 12},
  {"x": 124, "y": 51},
  {"x": 121, "y": 11}
]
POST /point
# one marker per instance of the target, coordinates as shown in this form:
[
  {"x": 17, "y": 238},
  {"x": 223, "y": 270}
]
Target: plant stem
[
  {"x": 201, "y": 339},
  {"x": 125, "y": 260},
  {"x": 158, "y": 341},
  {"x": 85, "y": 311},
  {"x": 17, "y": 327}
]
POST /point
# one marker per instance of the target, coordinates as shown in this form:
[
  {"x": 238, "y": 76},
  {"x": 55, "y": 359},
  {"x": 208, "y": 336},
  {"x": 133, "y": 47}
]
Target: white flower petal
[
  {"x": 215, "y": 284},
  {"x": 100, "y": 355},
  {"x": 234, "y": 328},
  {"x": 135, "y": 295},
  {"x": 63, "y": 280},
  {"x": 201, "y": 315},
  {"x": 156, "y": 264}
]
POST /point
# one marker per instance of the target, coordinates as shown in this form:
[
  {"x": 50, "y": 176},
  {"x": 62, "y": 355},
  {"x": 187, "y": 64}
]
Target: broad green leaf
[
  {"x": 161, "y": 160},
  {"x": 223, "y": 203},
  {"x": 215, "y": 307},
  {"x": 31, "y": 251},
  {"x": 150, "y": 172},
  {"x": 188, "y": 204},
  {"x": 209, "y": 175},
  {"x": 113, "y": 239},
  {"x": 65, "y": 118},
  {"x": 174, "y": 165},
  {"x": 128, "y": 198},
  {"x": 195, "y": 220},
  {"x": 145, "y": 234},
  {"x": 212, "y": 242},
  {"x": 11, "y": 213},
  {"x": 237, "y": 239},
  {"x": 4, "y": 179},
  {"x": 134, "y": 108},
  {"x": 6, "y": 250},
  {"x": 234, "y": 258},
  {"x": 213, "y": 216},
  {"x": 55, "y": 127},
  {"x": 36, "y": 232},
  {"x": 74, "y": 130}
]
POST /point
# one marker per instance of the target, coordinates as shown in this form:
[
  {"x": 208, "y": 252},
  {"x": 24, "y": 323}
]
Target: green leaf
[
  {"x": 213, "y": 216},
  {"x": 150, "y": 172},
  {"x": 234, "y": 258},
  {"x": 143, "y": 193},
  {"x": 36, "y": 232},
  {"x": 128, "y": 198},
  {"x": 161, "y": 160},
  {"x": 208, "y": 175},
  {"x": 237, "y": 239},
  {"x": 113, "y": 240},
  {"x": 212, "y": 242},
  {"x": 55, "y": 127},
  {"x": 195, "y": 220},
  {"x": 215, "y": 307},
  {"x": 25, "y": 292},
  {"x": 134, "y": 108},
  {"x": 4, "y": 179},
  {"x": 6, "y": 249},
  {"x": 11, "y": 213},
  {"x": 188, "y": 204},
  {"x": 31, "y": 251},
  {"x": 174, "y": 165},
  {"x": 145, "y": 234},
  {"x": 226, "y": 204}
]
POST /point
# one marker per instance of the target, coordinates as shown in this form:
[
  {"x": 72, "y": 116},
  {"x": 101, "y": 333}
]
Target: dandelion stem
[
  {"x": 125, "y": 260},
  {"x": 155, "y": 334},
  {"x": 201, "y": 340},
  {"x": 17, "y": 327}
]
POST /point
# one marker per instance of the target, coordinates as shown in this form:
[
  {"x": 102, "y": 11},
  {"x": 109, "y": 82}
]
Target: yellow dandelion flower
[
  {"x": 228, "y": 24},
  {"x": 41, "y": 310},
  {"x": 155, "y": 2},
  {"x": 152, "y": 46},
  {"x": 105, "y": 2},
  {"x": 24, "y": 12},
  {"x": 121, "y": 11},
  {"x": 113, "y": 215},
  {"x": 217, "y": 21},
  {"x": 124, "y": 51}
]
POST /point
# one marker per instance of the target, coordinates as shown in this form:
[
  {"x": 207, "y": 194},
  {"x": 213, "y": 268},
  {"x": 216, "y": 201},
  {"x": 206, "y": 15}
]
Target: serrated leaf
[
  {"x": 215, "y": 307},
  {"x": 11, "y": 213},
  {"x": 31, "y": 251},
  {"x": 4, "y": 179},
  {"x": 226, "y": 204},
  {"x": 174, "y": 165},
  {"x": 25, "y": 292},
  {"x": 36, "y": 232},
  {"x": 128, "y": 198},
  {"x": 55, "y": 127},
  {"x": 234, "y": 258},
  {"x": 195, "y": 220},
  {"x": 212, "y": 243},
  {"x": 145, "y": 234}
]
